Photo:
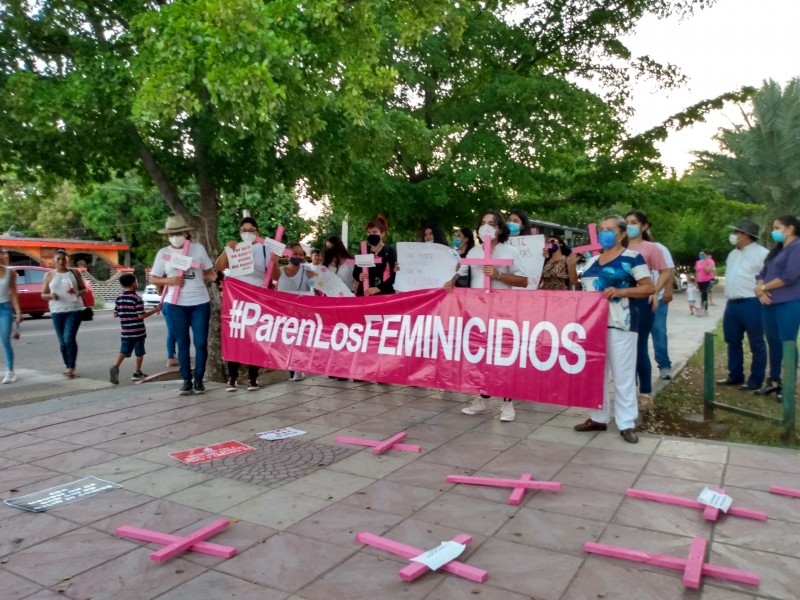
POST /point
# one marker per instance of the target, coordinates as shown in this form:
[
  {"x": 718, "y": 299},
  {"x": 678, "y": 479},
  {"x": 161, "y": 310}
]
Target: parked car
[
  {"x": 29, "y": 290},
  {"x": 151, "y": 297}
]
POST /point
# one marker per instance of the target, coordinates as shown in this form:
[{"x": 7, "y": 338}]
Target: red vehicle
[{"x": 29, "y": 290}]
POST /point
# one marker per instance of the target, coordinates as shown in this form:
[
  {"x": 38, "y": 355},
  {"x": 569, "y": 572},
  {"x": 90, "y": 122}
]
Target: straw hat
[{"x": 175, "y": 224}]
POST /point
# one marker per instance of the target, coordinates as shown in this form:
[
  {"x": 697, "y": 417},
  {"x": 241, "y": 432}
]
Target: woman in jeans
[
  {"x": 64, "y": 288},
  {"x": 9, "y": 313},
  {"x": 188, "y": 300}
]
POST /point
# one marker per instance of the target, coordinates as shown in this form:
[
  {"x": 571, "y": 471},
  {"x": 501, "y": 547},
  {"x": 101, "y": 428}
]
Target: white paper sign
[
  {"x": 715, "y": 499},
  {"x": 274, "y": 247},
  {"x": 530, "y": 248},
  {"x": 240, "y": 259},
  {"x": 365, "y": 261},
  {"x": 441, "y": 555},
  {"x": 330, "y": 284},
  {"x": 180, "y": 261},
  {"x": 423, "y": 266},
  {"x": 279, "y": 434}
]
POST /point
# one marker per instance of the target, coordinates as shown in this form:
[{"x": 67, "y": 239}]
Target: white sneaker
[
  {"x": 478, "y": 406},
  {"x": 507, "y": 412},
  {"x": 10, "y": 377},
  {"x": 298, "y": 376},
  {"x": 665, "y": 373}
]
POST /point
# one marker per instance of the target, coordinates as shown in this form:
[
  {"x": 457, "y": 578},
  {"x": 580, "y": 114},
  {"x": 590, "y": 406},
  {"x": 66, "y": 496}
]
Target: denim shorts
[{"x": 132, "y": 345}]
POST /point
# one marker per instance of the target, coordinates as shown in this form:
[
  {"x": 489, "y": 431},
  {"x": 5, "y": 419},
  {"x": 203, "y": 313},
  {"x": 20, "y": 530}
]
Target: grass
[{"x": 678, "y": 409}]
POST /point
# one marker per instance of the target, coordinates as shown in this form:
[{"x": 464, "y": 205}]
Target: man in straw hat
[
  {"x": 743, "y": 312},
  {"x": 187, "y": 305}
]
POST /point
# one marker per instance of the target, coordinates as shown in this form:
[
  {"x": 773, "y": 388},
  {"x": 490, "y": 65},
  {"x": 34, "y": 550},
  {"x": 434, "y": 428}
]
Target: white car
[{"x": 151, "y": 297}]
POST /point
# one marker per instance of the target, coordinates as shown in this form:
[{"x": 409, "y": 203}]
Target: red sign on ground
[{"x": 214, "y": 451}]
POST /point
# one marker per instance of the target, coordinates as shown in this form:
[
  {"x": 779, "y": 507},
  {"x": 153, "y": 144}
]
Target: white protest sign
[
  {"x": 274, "y": 246},
  {"x": 180, "y": 261},
  {"x": 530, "y": 248},
  {"x": 423, "y": 266},
  {"x": 330, "y": 284},
  {"x": 365, "y": 261},
  {"x": 715, "y": 499},
  {"x": 240, "y": 259},
  {"x": 279, "y": 434},
  {"x": 436, "y": 558}
]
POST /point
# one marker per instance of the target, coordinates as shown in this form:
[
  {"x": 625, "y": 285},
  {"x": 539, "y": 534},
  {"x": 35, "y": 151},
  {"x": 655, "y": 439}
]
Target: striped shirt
[{"x": 128, "y": 307}]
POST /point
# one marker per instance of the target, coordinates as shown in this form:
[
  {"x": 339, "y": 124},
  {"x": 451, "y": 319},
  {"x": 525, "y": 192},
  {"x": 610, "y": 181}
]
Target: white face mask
[
  {"x": 177, "y": 241},
  {"x": 733, "y": 238},
  {"x": 248, "y": 236},
  {"x": 485, "y": 230}
]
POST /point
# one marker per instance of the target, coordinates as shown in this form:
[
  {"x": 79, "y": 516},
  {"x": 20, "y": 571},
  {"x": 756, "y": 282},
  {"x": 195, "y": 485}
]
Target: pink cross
[
  {"x": 286, "y": 252},
  {"x": 487, "y": 260},
  {"x": 709, "y": 513},
  {"x": 776, "y": 489},
  {"x": 525, "y": 482},
  {"x": 693, "y": 566},
  {"x": 593, "y": 246},
  {"x": 175, "y": 544},
  {"x": 414, "y": 570},
  {"x": 381, "y": 447},
  {"x": 185, "y": 251},
  {"x": 376, "y": 259}
]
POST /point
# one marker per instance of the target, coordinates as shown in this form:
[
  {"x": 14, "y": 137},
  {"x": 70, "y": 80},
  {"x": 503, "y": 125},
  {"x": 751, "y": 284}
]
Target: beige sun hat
[{"x": 175, "y": 224}]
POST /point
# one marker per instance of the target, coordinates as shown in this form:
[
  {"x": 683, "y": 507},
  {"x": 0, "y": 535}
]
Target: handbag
[{"x": 87, "y": 314}]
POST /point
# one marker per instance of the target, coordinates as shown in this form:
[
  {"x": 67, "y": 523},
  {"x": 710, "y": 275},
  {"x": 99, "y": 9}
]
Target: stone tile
[
  {"x": 337, "y": 419},
  {"x": 287, "y": 561},
  {"x": 67, "y": 555},
  {"x": 221, "y": 587},
  {"x": 277, "y": 509},
  {"x": 577, "y": 502},
  {"x": 18, "y": 440},
  {"x": 161, "y": 454},
  {"x": 295, "y": 414},
  {"x": 215, "y": 495},
  {"x": 431, "y": 436},
  {"x": 707, "y": 472},
  {"x": 32, "y": 423},
  {"x": 15, "y": 587},
  {"x": 112, "y": 418},
  {"x": 657, "y": 516},
  {"x": 595, "y": 478},
  {"x": 454, "y": 588},
  {"x": 778, "y": 573},
  {"x": 456, "y": 420},
  {"x": 465, "y": 456},
  {"x": 133, "y": 576},
  {"x": 214, "y": 436},
  {"x": 778, "y": 507},
  {"x": 472, "y": 514},
  {"x": 611, "y": 440},
  {"x": 565, "y": 421},
  {"x": 541, "y": 459},
  {"x": 180, "y": 430},
  {"x": 409, "y": 415},
  {"x": 101, "y": 506},
  {"x": 5, "y": 463},
  {"x": 146, "y": 423},
  {"x": 69, "y": 462},
  {"x": 393, "y": 498},
  {"x": 601, "y": 577},
  {"x": 158, "y": 515},
  {"x": 259, "y": 424},
  {"x": 165, "y": 481},
  {"x": 773, "y": 536},
  {"x": 757, "y": 457},
  {"x": 365, "y": 409},
  {"x": 131, "y": 444},
  {"x": 375, "y": 466},
  {"x": 714, "y": 593},
  {"x": 548, "y": 531},
  {"x": 327, "y": 484},
  {"x": 675, "y": 543},
  {"x": 611, "y": 459},
  {"x": 60, "y": 430},
  {"x": 29, "y": 528},
  {"x": 45, "y": 595},
  {"x": 99, "y": 435},
  {"x": 331, "y": 403},
  {"x": 560, "y": 435},
  {"x": 14, "y": 478},
  {"x": 670, "y": 485},
  {"x": 120, "y": 469},
  {"x": 761, "y": 479},
  {"x": 693, "y": 450},
  {"x": 340, "y": 522},
  {"x": 427, "y": 475}
]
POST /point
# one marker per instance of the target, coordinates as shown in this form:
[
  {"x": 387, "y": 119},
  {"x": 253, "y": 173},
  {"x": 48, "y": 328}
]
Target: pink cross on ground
[
  {"x": 379, "y": 447},
  {"x": 415, "y": 570},
  {"x": 185, "y": 251},
  {"x": 593, "y": 246},
  {"x": 693, "y": 566},
  {"x": 776, "y": 489},
  {"x": 487, "y": 260},
  {"x": 376, "y": 260},
  {"x": 175, "y": 544},
  {"x": 525, "y": 482},
  {"x": 709, "y": 513}
]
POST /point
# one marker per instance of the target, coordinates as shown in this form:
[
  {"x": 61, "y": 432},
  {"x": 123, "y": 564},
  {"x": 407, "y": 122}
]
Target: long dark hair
[
  {"x": 338, "y": 253},
  {"x": 502, "y": 237},
  {"x": 467, "y": 233},
  {"x": 642, "y": 218},
  {"x": 562, "y": 245},
  {"x": 526, "y": 228},
  {"x": 789, "y": 221},
  {"x": 438, "y": 234}
]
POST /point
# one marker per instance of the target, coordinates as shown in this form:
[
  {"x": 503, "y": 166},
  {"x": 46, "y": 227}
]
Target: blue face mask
[
  {"x": 778, "y": 236},
  {"x": 633, "y": 231},
  {"x": 607, "y": 239},
  {"x": 456, "y": 243},
  {"x": 296, "y": 261},
  {"x": 701, "y": 256},
  {"x": 513, "y": 228}
]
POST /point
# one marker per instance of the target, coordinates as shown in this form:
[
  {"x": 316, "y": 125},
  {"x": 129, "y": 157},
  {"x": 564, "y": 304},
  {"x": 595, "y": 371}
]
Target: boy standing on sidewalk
[{"x": 129, "y": 308}]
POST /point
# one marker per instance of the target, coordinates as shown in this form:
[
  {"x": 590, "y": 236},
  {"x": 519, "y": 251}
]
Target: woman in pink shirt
[{"x": 704, "y": 271}]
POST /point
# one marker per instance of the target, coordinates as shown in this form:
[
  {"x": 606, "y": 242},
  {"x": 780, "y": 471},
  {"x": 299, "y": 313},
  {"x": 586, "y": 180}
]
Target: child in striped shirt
[{"x": 129, "y": 309}]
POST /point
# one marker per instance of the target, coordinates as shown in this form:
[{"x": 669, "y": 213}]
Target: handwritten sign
[
  {"x": 530, "y": 247},
  {"x": 274, "y": 246},
  {"x": 715, "y": 500},
  {"x": 213, "y": 452},
  {"x": 436, "y": 558},
  {"x": 180, "y": 262},
  {"x": 62, "y": 494},
  {"x": 330, "y": 284},
  {"x": 240, "y": 259},
  {"x": 423, "y": 266},
  {"x": 280, "y": 434},
  {"x": 365, "y": 261}
]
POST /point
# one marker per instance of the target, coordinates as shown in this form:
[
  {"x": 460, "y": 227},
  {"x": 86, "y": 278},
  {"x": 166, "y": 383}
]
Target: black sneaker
[
  {"x": 186, "y": 388},
  {"x": 138, "y": 376},
  {"x": 199, "y": 388},
  {"x": 114, "y": 375}
]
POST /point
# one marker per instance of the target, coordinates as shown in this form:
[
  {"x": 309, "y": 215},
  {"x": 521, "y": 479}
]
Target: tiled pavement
[{"x": 296, "y": 539}]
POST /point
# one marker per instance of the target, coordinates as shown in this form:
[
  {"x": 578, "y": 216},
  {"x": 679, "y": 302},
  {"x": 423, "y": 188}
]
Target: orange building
[{"x": 40, "y": 251}]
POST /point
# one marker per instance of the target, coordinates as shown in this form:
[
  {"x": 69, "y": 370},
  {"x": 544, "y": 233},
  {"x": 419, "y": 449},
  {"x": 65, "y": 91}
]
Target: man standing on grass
[{"x": 742, "y": 312}]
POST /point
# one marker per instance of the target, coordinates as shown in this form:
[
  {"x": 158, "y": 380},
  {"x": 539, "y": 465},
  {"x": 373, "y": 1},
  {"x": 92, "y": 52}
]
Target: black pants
[
  {"x": 704, "y": 285},
  {"x": 233, "y": 371}
]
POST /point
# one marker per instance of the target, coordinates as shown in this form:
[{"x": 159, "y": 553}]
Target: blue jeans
[
  {"x": 6, "y": 323},
  {"x": 644, "y": 370},
  {"x": 181, "y": 320},
  {"x": 659, "y": 333},
  {"x": 170, "y": 337},
  {"x": 744, "y": 316},
  {"x": 781, "y": 323},
  {"x": 66, "y": 325}
]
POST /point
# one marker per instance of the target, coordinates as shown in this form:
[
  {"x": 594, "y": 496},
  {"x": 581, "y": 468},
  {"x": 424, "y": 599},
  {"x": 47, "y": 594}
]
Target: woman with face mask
[
  {"x": 518, "y": 223},
  {"x": 704, "y": 272},
  {"x": 463, "y": 241},
  {"x": 622, "y": 275},
  {"x": 380, "y": 278},
  {"x": 555, "y": 275},
  {"x": 294, "y": 279},
  {"x": 189, "y": 303},
  {"x": 778, "y": 289}
]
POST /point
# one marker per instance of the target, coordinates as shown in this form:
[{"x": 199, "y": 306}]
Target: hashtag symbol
[{"x": 236, "y": 326}]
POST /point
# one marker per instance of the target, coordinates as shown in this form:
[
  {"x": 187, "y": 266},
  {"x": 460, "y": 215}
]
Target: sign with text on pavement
[
  {"x": 62, "y": 494},
  {"x": 545, "y": 346},
  {"x": 203, "y": 454}
]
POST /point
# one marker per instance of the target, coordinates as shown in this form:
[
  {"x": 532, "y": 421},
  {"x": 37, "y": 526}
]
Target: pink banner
[{"x": 545, "y": 346}]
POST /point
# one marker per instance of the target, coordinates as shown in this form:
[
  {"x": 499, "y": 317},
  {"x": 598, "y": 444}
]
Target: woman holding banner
[
  {"x": 555, "y": 275},
  {"x": 380, "y": 277},
  {"x": 621, "y": 275},
  {"x": 503, "y": 277}
]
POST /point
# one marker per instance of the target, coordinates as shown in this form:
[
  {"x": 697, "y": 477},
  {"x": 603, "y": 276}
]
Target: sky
[{"x": 719, "y": 49}]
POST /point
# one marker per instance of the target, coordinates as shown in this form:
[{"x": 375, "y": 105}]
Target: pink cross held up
[
  {"x": 487, "y": 260},
  {"x": 376, "y": 260},
  {"x": 415, "y": 570},
  {"x": 175, "y": 544},
  {"x": 525, "y": 482},
  {"x": 693, "y": 566},
  {"x": 593, "y": 246},
  {"x": 185, "y": 251},
  {"x": 709, "y": 512},
  {"x": 286, "y": 252},
  {"x": 381, "y": 447},
  {"x": 776, "y": 489}
]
